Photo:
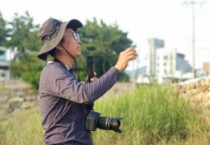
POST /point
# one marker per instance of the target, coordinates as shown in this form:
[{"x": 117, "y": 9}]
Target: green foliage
[
  {"x": 100, "y": 40},
  {"x": 3, "y": 31},
  {"x": 104, "y": 42},
  {"x": 23, "y": 33},
  {"x": 29, "y": 69}
]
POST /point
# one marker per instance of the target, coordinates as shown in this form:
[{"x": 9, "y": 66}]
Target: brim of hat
[{"x": 54, "y": 41}]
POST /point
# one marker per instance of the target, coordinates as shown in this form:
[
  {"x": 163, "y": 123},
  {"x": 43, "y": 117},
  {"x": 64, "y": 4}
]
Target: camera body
[{"x": 94, "y": 121}]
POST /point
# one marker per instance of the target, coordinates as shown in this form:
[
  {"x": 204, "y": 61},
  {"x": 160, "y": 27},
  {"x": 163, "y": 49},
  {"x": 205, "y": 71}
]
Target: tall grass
[
  {"x": 151, "y": 115},
  {"x": 21, "y": 128}
]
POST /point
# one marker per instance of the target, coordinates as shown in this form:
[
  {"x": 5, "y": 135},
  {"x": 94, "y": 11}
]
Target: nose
[{"x": 79, "y": 41}]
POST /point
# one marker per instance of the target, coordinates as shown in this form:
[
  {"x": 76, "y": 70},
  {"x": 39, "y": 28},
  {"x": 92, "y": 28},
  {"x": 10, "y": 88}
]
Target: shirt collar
[{"x": 67, "y": 67}]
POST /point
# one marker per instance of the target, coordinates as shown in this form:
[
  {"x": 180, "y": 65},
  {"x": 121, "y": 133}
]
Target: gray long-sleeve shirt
[{"x": 63, "y": 99}]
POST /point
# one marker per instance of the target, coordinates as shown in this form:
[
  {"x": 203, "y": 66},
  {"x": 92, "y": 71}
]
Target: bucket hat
[{"x": 51, "y": 33}]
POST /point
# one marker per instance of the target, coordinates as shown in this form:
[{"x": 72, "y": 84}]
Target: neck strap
[{"x": 75, "y": 62}]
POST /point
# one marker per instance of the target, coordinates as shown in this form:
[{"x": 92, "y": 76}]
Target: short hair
[{"x": 52, "y": 52}]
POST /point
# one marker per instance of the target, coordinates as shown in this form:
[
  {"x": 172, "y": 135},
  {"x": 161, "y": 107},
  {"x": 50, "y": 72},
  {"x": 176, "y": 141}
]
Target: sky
[{"x": 169, "y": 20}]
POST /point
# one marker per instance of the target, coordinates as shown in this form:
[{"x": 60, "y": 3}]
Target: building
[
  {"x": 4, "y": 64},
  {"x": 206, "y": 68},
  {"x": 154, "y": 45},
  {"x": 164, "y": 64},
  {"x": 170, "y": 64},
  {"x": 6, "y": 55}
]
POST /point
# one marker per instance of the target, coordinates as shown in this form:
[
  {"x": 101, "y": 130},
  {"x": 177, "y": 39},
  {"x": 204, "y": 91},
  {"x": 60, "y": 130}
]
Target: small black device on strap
[{"x": 90, "y": 65}]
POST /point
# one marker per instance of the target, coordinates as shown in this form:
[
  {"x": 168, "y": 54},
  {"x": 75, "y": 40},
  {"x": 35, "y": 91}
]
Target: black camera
[{"x": 93, "y": 121}]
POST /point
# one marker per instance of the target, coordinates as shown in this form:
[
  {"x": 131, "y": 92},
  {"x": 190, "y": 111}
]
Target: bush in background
[{"x": 29, "y": 69}]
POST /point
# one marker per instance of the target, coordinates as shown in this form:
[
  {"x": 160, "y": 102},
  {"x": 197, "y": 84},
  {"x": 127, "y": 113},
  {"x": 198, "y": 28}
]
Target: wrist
[{"x": 118, "y": 68}]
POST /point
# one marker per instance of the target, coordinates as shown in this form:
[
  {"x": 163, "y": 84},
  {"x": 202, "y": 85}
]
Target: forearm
[{"x": 97, "y": 88}]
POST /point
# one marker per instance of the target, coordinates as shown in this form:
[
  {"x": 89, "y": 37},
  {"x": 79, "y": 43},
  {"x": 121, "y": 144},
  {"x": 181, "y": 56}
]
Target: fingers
[
  {"x": 125, "y": 56},
  {"x": 93, "y": 79},
  {"x": 95, "y": 74},
  {"x": 130, "y": 54}
]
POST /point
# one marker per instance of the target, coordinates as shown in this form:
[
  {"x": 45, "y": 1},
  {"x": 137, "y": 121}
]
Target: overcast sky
[{"x": 170, "y": 20}]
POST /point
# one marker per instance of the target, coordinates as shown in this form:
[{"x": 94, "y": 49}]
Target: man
[{"x": 63, "y": 99}]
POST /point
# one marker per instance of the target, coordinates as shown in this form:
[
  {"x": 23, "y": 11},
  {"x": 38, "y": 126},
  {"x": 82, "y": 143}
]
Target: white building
[
  {"x": 170, "y": 64},
  {"x": 4, "y": 64},
  {"x": 6, "y": 55},
  {"x": 161, "y": 64},
  {"x": 154, "y": 45}
]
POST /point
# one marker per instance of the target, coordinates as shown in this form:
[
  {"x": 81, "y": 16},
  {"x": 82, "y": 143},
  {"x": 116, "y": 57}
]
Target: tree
[
  {"x": 3, "y": 31},
  {"x": 22, "y": 37},
  {"x": 29, "y": 69},
  {"x": 23, "y": 34},
  {"x": 104, "y": 42}
]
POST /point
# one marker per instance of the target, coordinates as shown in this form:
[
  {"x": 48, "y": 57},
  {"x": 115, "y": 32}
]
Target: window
[{"x": 164, "y": 64}]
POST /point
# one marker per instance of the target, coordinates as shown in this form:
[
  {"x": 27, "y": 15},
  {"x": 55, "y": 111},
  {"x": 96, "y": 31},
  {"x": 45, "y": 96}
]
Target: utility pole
[
  {"x": 134, "y": 69},
  {"x": 193, "y": 37},
  {"x": 193, "y": 3}
]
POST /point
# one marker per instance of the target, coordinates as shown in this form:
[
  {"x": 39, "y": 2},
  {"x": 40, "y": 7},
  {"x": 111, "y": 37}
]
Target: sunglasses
[{"x": 75, "y": 35}]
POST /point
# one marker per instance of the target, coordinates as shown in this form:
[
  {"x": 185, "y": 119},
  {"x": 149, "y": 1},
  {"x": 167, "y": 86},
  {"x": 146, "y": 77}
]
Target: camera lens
[{"x": 108, "y": 123}]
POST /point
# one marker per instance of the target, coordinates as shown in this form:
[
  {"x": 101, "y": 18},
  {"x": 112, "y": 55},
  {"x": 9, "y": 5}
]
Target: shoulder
[{"x": 53, "y": 69}]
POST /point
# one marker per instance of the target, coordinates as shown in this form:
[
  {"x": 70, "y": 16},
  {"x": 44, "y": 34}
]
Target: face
[{"x": 72, "y": 43}]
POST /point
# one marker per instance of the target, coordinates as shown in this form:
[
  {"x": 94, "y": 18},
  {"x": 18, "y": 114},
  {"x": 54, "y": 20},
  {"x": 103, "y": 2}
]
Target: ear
[{"x": 58, "y": 49}]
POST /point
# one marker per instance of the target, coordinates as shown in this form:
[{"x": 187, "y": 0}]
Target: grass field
[{"x": 152, "y": 115}]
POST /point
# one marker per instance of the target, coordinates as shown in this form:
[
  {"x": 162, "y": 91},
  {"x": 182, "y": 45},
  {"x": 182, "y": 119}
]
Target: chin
[{"x": 78, "y": 55}]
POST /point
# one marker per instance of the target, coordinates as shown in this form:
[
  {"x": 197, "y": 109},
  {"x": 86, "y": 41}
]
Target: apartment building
[{"x": 170, "y": 64}]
